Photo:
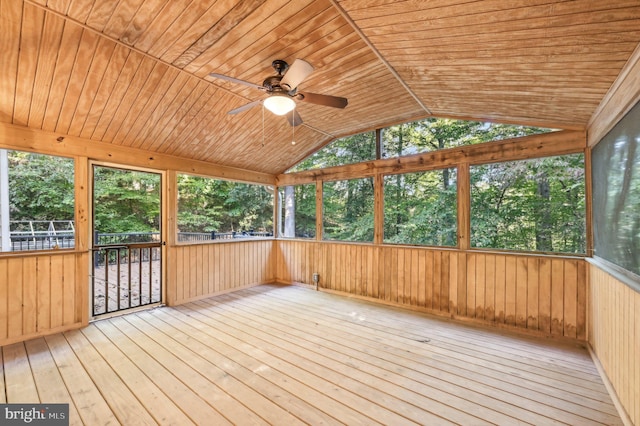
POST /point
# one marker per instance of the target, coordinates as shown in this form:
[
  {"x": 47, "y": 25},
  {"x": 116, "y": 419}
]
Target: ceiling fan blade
[
  {"x": 294, "y": 118},
  {"x": 236, "y": 80},
  {"x": 296, "y": 74},
  {"x": 326, "y": 100},
  {"x": 245, "y": 107}
]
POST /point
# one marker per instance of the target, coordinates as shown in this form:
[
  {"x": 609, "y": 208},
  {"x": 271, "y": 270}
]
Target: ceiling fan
[{"x": 282, "y": 89}]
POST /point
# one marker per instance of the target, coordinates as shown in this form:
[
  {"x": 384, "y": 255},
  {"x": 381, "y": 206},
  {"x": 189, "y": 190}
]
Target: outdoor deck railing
[
  {"x": 213, "y": 235},
  {"x": 67, "y": 240}
]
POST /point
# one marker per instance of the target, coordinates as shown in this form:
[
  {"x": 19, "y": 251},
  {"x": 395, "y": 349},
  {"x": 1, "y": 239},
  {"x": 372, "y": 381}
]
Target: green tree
[
  {"x": 200, "y": 202},
  {"x": 126, "y": 201},
  {"x": 348, "y": 210},
  {"x": 347, "y": 150},
  {"x": 532, "y": 205},
  {"x": 41, "y": 187}
]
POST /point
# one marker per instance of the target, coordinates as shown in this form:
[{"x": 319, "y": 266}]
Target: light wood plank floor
[{"x": 289, "y": 355}]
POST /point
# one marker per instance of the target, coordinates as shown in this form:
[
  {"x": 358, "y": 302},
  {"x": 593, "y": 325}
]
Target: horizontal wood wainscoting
[
  {"x": 614, "y": 335},
  {"x": 200, "y": 270},
  {"x": 541, "y": 293},
  {"x": 42, "y": 294}
]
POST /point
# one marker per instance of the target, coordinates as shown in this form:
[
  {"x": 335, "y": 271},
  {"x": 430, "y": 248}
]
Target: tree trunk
[
  {"x": 543, "y": 222},
  {"x": 289, "y": 212}
]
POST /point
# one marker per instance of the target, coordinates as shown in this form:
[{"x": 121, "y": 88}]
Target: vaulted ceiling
[{"x": 136, "y": 72}]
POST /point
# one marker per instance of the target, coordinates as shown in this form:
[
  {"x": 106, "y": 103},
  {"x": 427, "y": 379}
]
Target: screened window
[
  {"x": 348, "y": 150},
  {"x": 298, "y": 211},
  {"x": 214, "y": 209},
  {"x": 432, "y": 134},
  {"x": 616, "y": 194},
  {"x": 421, "y": 208},
  {"x": 533, "y": 205},
  {"x": 348, "y": 210},
  {"x": 36, "y": 201}
]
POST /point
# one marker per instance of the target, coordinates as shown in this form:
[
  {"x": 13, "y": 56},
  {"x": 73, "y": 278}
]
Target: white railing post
[{"x": 5, "y": 230}]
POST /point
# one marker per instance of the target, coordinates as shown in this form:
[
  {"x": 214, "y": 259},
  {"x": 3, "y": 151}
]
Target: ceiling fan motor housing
[
  {"x": 280, "y": 66},
  {"x": 272, "y": 83}
]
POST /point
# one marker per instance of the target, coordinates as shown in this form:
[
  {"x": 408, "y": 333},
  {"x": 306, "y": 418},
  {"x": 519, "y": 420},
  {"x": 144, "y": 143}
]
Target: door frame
[{"x": 163, "y": 235}]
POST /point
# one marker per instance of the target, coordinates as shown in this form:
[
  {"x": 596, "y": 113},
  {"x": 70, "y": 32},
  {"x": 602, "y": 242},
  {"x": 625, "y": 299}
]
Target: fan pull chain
[
  {"x": 293, "y": 127},
  {"x": 263, "y": 125}
]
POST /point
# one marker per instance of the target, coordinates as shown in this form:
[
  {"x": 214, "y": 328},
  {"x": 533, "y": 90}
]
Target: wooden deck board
[
  {"x": 289, "y": 355},
  {"x": 503, "y": 396},
  {"x": 51, "y": 387}
]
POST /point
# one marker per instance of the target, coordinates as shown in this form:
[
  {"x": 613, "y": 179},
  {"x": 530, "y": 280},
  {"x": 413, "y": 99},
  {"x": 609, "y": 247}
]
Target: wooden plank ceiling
[{"x": 135, "y": 72}]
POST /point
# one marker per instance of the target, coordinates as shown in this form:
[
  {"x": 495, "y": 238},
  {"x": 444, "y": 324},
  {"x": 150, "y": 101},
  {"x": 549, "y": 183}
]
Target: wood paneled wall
[
  {"x": 614, "y": 335},
  {"x": 201, "y": 270},
  {"x": 42, "y": 294},
  {"x": 540, "y": 293}
]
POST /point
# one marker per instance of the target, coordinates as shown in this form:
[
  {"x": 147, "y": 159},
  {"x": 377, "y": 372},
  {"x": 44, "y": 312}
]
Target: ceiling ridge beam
[{"x": 392, "y": 70}]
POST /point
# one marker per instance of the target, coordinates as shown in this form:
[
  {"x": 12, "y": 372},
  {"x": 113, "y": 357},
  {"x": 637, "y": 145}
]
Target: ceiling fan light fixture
[{"x": 279, "y": 104}]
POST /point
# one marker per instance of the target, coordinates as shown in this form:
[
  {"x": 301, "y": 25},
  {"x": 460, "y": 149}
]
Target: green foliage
[
  {"x": 348, "y": 150},
  {"x": 348, "y": 210},
  {"x": 199, "y": 203},
  {"x": 437, "y": 133},
  {"x": 536, "y": 205},
  {"x": 40, "y": 187},
  {"x": 249, "y": 207},
  {"x": 421, "y": 208},
  {"x": 206, "y": 205},
  {"x": 303, "y": 209},
  {"x": 533, "y": 205},
  {"x": 126, "y": 201}
]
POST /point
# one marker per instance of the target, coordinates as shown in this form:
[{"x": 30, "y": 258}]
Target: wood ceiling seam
[
  {"x": 531, "y": 50},
  {"x": 237, "y": 43},
  {"x": 515, "y": 28},
  {"x": 125, "y": 77},
  {"x": 77, "y": 79},
  {"x": 144, "y": 17},
  {"x": 238, "y": 40},
  {"x": 379, "y": 55},
  {"x": 27, "y": 63},
  {"x": 44, "y": 77},
  {"x": 568, "y": 34},
  {"x": 152, "y": 87},
  {"x": 195, "y": 114},
  {"x": 128, "y": 98},
  {"x": 237, "y": 14},
  {"x": 91, "y": 86},
  {"x": 100, "y": 14},
  {"x": 181, "y": 96},
  {"x": 71, "y": 36},
  {"x": 203, "y": 133},
  {"x": 184, "y": 38},
  {"x": 118, "y": 14},
  {"x": 151, "y": 38},
  {"x": 461, "y": 42},
  {"x": 179, "y": 119},
  {"x": 548, "y": 9},
  {"x": 140, "y": 133},
  {"x": 79, "y": 11},
  {"x": 11, "y": 21},
  {"x": 542, "y": 17},
  {"x": 115, "y": 66}
]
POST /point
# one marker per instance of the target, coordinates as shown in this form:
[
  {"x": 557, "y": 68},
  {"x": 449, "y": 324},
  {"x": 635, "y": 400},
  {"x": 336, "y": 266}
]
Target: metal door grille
[{"x": 126, "y": 276}]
